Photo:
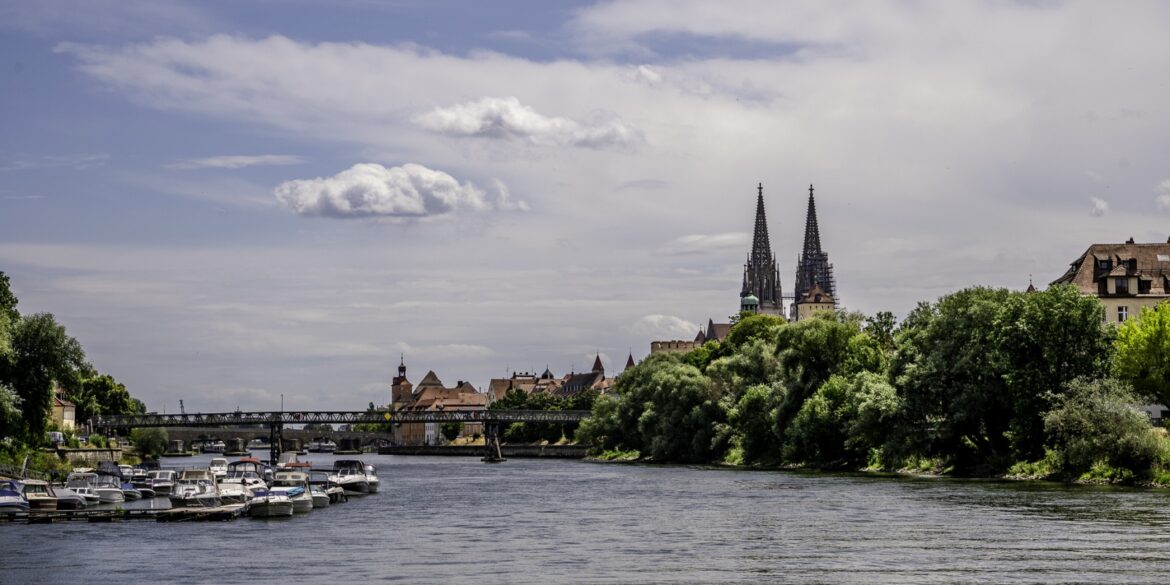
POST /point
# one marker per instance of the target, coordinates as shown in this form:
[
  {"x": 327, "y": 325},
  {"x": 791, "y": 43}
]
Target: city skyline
[{"x": 226, "y": 204}]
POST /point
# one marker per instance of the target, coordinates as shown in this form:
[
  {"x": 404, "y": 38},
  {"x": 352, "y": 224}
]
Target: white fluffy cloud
[
  {"x": 372, "y": 190},
  {"x": 507, "y": 118},
  {"x": 237, "y": 161},
  {"x": 1100, "y": 207},
  {"x": 664, "y": 327}
]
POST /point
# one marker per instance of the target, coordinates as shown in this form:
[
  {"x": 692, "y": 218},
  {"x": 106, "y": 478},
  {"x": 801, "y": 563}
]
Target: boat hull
[
  {"x": 320, "y": 500},
  {"x": 110, "y": 496},
  {"x": 270, "y": 509}
]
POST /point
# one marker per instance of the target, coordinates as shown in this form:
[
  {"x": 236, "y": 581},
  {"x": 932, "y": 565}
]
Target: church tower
[
  {"x": 761, "y": 279},
  {"x": 814, "y": 274},
  {"x": 401, "y": 390}
]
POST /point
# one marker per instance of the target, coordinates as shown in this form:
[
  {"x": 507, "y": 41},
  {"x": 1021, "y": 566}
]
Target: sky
[{"x": 235, "y": 203}]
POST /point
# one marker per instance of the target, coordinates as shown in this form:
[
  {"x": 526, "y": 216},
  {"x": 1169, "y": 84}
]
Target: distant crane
[{"x": 181, "y": 411}]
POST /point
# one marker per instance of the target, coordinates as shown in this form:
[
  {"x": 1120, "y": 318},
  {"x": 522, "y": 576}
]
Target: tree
[
  {"x": 1142, "y": 353},
  {"x": 813, "y": 350},
  {"x": 102, "y": 395},
  {"x": 1046, "y": 340},
  {"x": 7, "y": 300},
  {"x": 948, "y": 372},
  {"x": 151, "y": 443},
  {"x": 42, "y": 353},
  {"x": 1097, "y": 422},
  {"x": 846, "y": 419},
  {"x": 451, "y": 430},
  {"x": 10, "y": 413},
  {"x": 752, "y": 421}
]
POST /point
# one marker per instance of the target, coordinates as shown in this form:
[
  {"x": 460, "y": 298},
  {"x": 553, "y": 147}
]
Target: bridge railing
[{"x": 343, "y": 417}]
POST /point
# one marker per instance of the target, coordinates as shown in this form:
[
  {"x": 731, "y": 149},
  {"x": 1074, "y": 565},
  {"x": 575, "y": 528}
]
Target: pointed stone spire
[
  {"x": 761, "y": 279},
  {"x": 630, "y": 361},
  {"x": 812, "y": 267},
  {"x": 597, "y": 367}
]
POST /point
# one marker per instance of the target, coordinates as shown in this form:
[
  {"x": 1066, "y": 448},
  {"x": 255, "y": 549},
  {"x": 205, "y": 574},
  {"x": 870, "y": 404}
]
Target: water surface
[{"x": 456, "y": 520}]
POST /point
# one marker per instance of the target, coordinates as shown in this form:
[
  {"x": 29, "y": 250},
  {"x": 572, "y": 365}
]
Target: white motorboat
[
  {"x": 141, "y": 482},
  {"x": 234, "y": 493},
  {"x": 195, "y": 488},
  {"x": 218, "y": 467},
  {"x": 322, "y": 445},
  {"x": 372, "y": 479},
  {"x": 12, "y": 500},
  {"x": 270, "y": 505},
  {"x": 327, "y": 483},
  {"x": 214, "y": 447},
  {"x": 80, "y": 484},
  {"x": 350, "y": 474},
  {"x": 67, "y": 499},
  {"x": 320, "y": 498},
  {"x": 295, "y": 485},
  {"x": 248, "y": 473},
  {"x": 109, "y": 489},
  {"x": 162, "y": 481},
  {"x": 40, "y": 495}
]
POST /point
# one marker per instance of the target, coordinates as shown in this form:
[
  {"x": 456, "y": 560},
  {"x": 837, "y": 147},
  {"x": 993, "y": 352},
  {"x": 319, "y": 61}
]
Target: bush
[{"x": 1098, "y": 431}]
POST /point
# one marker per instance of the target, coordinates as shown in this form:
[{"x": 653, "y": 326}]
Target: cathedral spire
[
  {"x": 812, "y": 267},
  {"x": 761, "y": 279}
]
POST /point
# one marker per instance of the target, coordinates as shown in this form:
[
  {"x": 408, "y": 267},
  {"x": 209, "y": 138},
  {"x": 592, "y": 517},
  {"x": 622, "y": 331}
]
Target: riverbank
[{"x": 535, "y": 451}]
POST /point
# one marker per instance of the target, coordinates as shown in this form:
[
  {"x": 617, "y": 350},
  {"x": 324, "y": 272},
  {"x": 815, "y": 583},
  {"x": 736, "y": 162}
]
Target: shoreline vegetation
[{"x": 984, "y": 383}]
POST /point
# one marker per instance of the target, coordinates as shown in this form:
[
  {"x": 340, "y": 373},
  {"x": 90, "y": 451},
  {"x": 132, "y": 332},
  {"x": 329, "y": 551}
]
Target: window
[
  {"x": 1122, "y": 314},
  {"x": 1122, "y": 285},
  {"x": 1104, "y": 264}
]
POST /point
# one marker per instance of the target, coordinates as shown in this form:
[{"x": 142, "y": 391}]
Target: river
[{"x": 456, "y": 520}]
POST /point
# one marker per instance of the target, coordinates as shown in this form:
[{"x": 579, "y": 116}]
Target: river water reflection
[{"x": 456, "y": 520}]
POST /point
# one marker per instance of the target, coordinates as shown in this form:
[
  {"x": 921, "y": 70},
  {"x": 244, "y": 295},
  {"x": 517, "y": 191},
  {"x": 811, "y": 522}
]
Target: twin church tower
[{"x": 815, "y": 287}]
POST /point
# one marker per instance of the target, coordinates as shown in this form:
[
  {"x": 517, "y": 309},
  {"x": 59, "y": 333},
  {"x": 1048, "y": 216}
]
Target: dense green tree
[
  {"x": 7, "y": 300},
  {"x": 150, "y": 443},
  {"x": 754, "y": 363},
  {"x": 949, "y": 373},
  {"x": 42, "y": 353},
  {"x": 1142, "y": 355},
  {"x": 751, "y": 420},
  {"x": 10, "y": 413},
  {"x": 1097, "y": 422},
  {"x": 814, "y": 349},
  {"x": 843, "y": 422},
  {"x": 102, "y": 395},
  {"x": 754, "y": 327},
  {"x": 1047, "y": 339},
  {"x": 881, "y": 328}
]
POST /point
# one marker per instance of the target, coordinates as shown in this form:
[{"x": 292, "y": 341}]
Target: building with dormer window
[{"x": 1125, "y": 277}]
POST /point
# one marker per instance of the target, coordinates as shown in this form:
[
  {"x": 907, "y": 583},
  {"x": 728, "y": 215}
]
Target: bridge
[{"x": 493, "y": 421}]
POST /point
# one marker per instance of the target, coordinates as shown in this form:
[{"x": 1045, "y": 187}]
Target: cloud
[
  {"x": 664, "y": 327},
  {"x": 372, "y": 190},
  {"x": 77, "y": 162},
  {"x": 1100, "y": 207},
  {"x": 237, "y": 161},
  {"x": 1163, "y": 199},
  {"x": 644, "y": 74},
  {"x": 704, "y": 243},
  {"x": 508, "y": 119}
]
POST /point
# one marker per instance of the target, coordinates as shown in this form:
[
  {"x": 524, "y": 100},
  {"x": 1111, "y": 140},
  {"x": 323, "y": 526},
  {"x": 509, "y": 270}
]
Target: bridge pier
[
  {"x": 492, "y": 452},
  {"x": 274, "y": 442}
]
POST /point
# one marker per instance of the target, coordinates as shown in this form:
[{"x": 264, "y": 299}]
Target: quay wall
[
  {"x": 550, "y": 451},
  {"x": 89, "y": 456}
]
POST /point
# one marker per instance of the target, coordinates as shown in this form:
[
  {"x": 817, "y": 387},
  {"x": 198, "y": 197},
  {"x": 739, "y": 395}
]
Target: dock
[{"x": 191, "y": 514}]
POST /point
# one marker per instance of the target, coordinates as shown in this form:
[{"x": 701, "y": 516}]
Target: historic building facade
[
  {"x": 1125, "y": 277},
  {"x": 761, "y": 290},
  {"x": 432, "y": 395},
  {"x": 815, "y": 288}
]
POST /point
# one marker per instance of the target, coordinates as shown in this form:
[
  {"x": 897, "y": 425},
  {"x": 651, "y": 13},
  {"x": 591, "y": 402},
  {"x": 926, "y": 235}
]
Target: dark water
[{"x": 447, "y": 520}]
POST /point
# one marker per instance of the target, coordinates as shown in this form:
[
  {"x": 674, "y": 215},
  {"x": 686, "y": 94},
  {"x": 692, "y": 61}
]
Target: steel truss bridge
[{"x": 493, "y": 421}]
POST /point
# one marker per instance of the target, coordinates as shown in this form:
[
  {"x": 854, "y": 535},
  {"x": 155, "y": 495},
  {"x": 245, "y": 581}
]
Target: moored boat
[
  {"x": 162, "y": 481},
  {"x": 109, "y": 489},
  {"x": 195, "y": 488},
  {"x": 350, "y": 474},
  {"x": 39, "y": 495},
  {"x": 372, "y": 479},
  {"x": 141, "y": 482},
  {"x": 82, "y": 484},
  {"x": 218, "y": 467},
  {"x": 265, "y": 504},
  {"x": 67, "y": 499},
  {"x": 130, "y": 493},
  {"x": 295, "y": 485},
  {"x": 329, "y": 485},
  {"x": 320, "y": 498},
  {"x": 12, "y": 500}
]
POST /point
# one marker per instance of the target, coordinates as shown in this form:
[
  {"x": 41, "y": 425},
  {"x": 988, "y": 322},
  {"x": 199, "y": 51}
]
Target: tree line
[
  {"x": 38, "y": 357},
  {"x": 984, "y": 382}
]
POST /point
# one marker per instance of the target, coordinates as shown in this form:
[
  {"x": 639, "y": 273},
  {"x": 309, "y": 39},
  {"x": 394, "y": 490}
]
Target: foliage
[
  {"x": 42, "y": 353},
  {"x": 1142, "y": 355},
  {"x": 10, "y": 412},
  {"x": 1046, "y": 340},
  {"x": 451, "y": 430},
  {"x": 102, "y": 395},
  {"x": 664, "y": 408},
  {"x": 151, "y": 443},
  {"x": 752, "y": 421},
  {"x": 843, "y": 422},
  {"x": 813, "y": 350},
  {"x": 1095, "y": 426},
  {"x": 8, "y": 300}
]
